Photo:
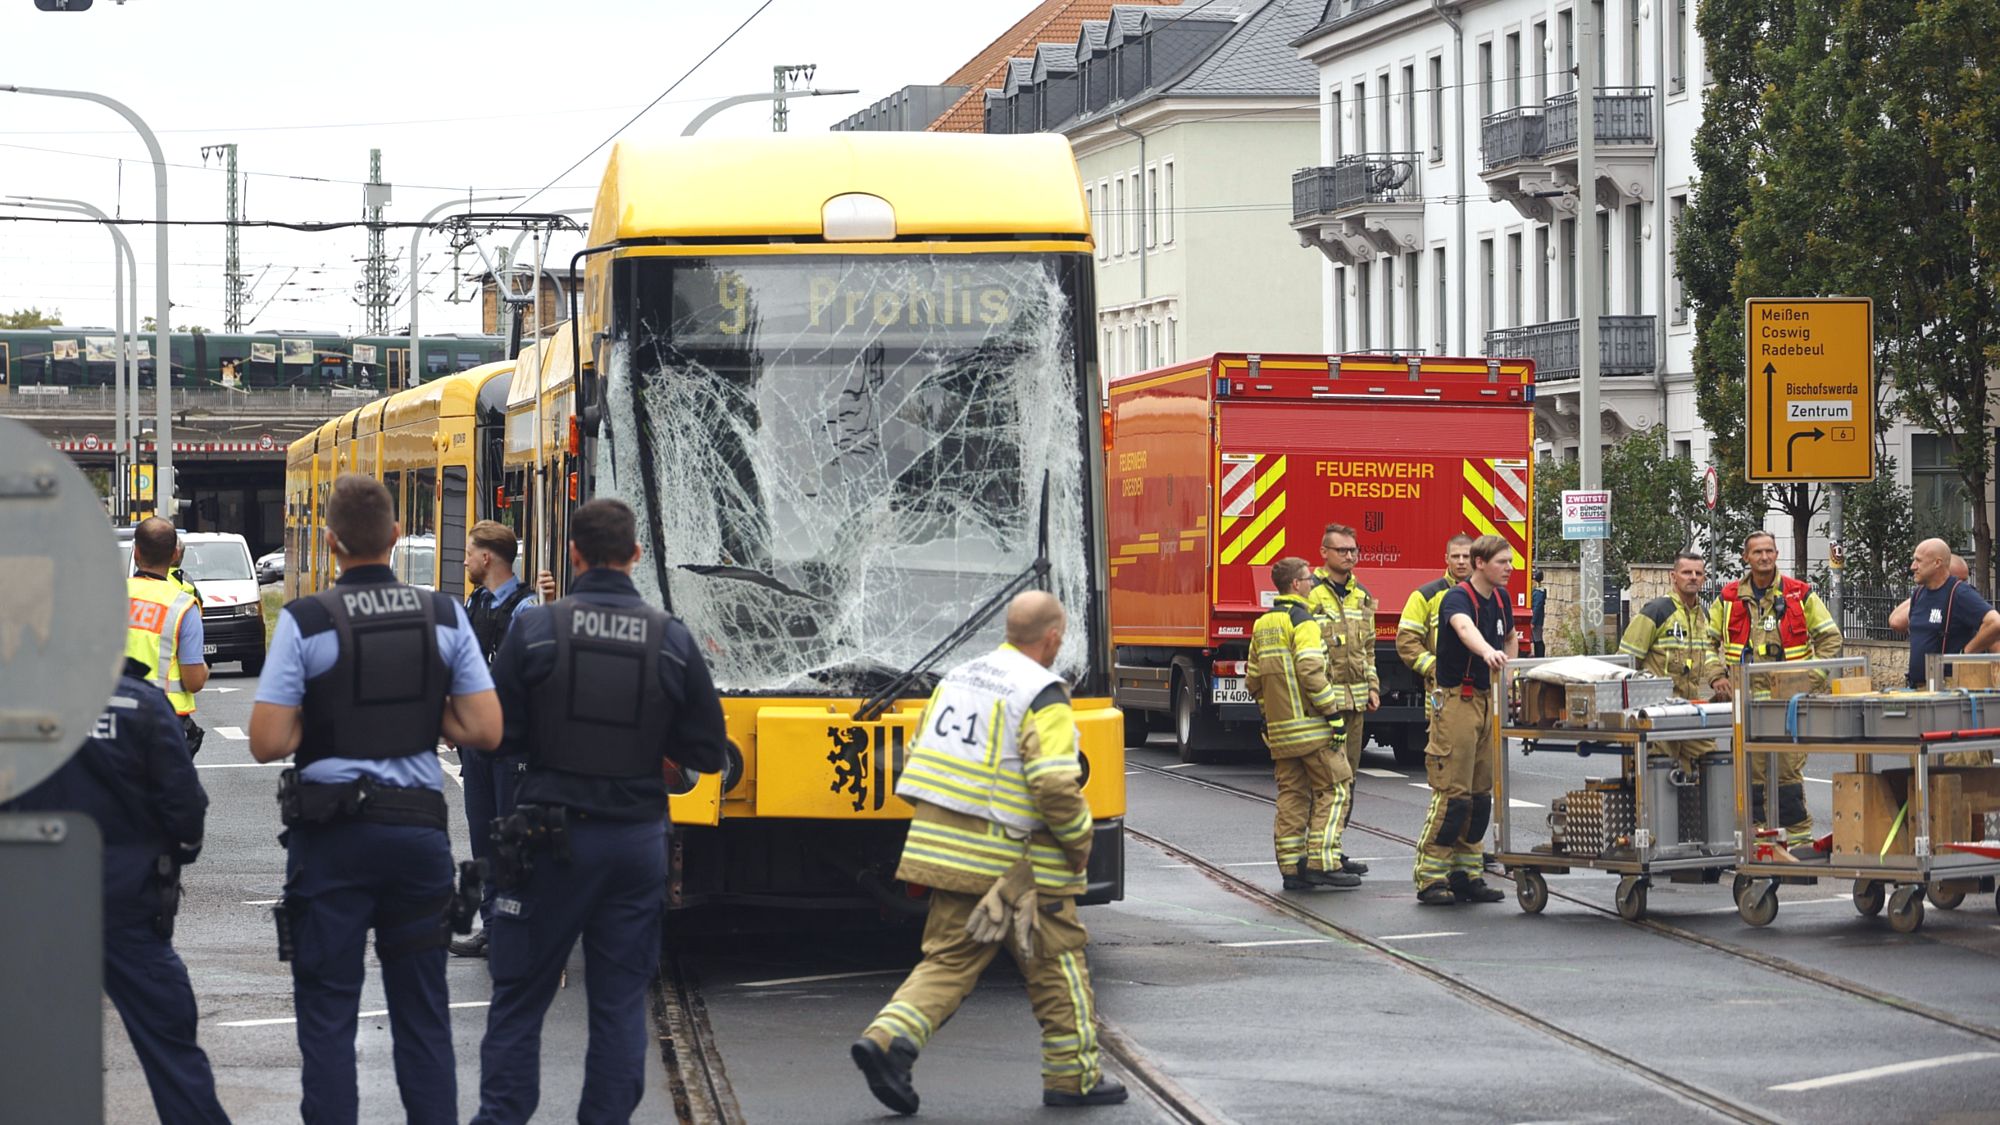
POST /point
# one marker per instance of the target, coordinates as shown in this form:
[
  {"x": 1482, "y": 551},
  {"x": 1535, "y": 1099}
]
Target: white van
[{"x": 232, "y": 611}]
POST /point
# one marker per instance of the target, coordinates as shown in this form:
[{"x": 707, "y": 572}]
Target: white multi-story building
[{"x": 1446, "y": 206}]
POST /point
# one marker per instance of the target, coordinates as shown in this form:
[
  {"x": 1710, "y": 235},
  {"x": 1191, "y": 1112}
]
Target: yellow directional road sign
[{"x": 1811, "y": 378}]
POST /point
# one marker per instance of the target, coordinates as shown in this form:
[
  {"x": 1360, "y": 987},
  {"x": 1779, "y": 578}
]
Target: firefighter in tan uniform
[
  {"x": 1767, "y": 616},
  {"x": 1001, "y": 835},
  {"x": 1286, "y": 675},
  {"x": 1477, "y": 640},
  {"x": 1674, "y": 637},
  {"x": 1346, "y": 612},
  {"x": 1417, "y": 632}
]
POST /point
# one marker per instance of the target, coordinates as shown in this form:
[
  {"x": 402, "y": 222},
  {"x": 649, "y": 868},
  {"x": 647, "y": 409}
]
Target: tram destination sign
[{"x": 1810, "y": 378}]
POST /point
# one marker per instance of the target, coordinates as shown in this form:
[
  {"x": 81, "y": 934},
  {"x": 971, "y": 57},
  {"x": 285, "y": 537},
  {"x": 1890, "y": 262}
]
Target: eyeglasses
[{"x": 1342, "y": 550}]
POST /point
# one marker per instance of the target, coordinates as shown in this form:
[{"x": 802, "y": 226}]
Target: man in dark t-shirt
[
  {"x": 1946, "y": 615},
  {"x": 1476, "y": 637}
]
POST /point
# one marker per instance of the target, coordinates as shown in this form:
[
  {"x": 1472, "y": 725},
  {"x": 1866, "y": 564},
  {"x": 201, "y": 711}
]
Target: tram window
[
  {"x": 467, "y": 360},
  {"x": 421, "y": 518},
  {"x": 435, "y": 363},
  {"x": 6, "y": 364}
]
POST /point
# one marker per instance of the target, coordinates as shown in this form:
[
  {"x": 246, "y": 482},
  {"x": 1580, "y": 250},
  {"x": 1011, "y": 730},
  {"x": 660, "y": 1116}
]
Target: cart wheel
[
  {"x": 1906, "y": 909},
  {"x": 1532, "y": 891},
  {"x": 1632, "y": 898},
  {"x": 1742, "y": 883},
  {"x": 1944, "y": 901},
  {"x": 1758, "y": 904},
  {"x": 1868, "y": 897}
]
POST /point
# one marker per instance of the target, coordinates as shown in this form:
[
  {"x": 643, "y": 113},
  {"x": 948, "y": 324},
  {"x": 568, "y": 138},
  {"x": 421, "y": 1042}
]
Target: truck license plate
[
  {"x": 1229, "y": 689},
  {"x": 208, "y": 650}
]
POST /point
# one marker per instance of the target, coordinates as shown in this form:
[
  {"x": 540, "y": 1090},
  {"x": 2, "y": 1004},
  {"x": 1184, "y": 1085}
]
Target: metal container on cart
[
  {"x": 1905, "y": 852},
  {"x": 1642, "y": 824}
]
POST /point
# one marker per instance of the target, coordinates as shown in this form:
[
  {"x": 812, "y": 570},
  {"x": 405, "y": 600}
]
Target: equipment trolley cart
[
  {"x": 1650, "y": 848},
  {"x": 1901, "y": 878}
]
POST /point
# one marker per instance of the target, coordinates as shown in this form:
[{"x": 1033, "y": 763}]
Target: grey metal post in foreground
[
  {"x": 1589, "y": 307},
  {"x": 125, "y": 272},
  {"x": 410, "y": 377},
  {"x": 163, "y": 357}
]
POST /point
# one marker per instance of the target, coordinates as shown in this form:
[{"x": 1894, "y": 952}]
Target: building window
[
  {"x": 1676, "y": 214},
  {"x": 1543, "y": 268},
  {"x": 1118, "y": 221},
  {"x": 1333, "y": 124},
  {"x": 1382, "y": 110},
  {"x": 1093, "y": 201},
  {"x": 1410, "y": 108},
  {"x": 1109, "y": 360},
  {"x": 1677, "y": 48},
  {"x": 1437, "y": 107},
  {"x": 1152, "y": 217},
  {"x": 1339, "y": 308},
  {"x": 1684, "y": 450},
  {"x": 1635, "y": 254},
  {"x": 1937, "y": 491},
  {"x": 1412, "y": 308},
  {"x": 1167, "y": 203},
  {"x": 1138, "y": 234},
  {"x": 1141, "y": 360},
  {"x": 1360, "y": 117},
  {"x": 1443, "y": 294},
  {"x": 1604, "y": 262},
  {"x": 1173, "y": 340},
  {"x": 1513, "y": 70},
  {"x": 1634, "y": 72},
  {"x": 1566, "y": 44},
  {"x": 1125, "y": 355},
  {"x": 1569, "y": 269},
  {"x": 1486, "y": 280},
  {"x": 1516, "y": 288},
  {"x": 1541, "y": 49},
  {"x": 1485, "y": 81},
  {"x": 1159, "y": 356},
  {"x": 1363, "y": 306},
  {"x": 1389, "y": 304}
]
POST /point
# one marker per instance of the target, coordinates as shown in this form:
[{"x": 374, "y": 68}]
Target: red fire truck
[{"x": 1220, "y": 466}]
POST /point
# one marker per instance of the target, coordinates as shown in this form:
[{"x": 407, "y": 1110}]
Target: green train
[{"x": 85, "y": 357}]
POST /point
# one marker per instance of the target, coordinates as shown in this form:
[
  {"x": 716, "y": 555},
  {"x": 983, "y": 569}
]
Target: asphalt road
[{"x": 1256, "y": 1015}]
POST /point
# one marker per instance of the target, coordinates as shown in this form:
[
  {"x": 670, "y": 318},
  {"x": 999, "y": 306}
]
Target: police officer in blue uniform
[
  {"x": 606, "y": 696},
  {"x": 360, "y": 681},
  {"x": 498, "y": 598},
  {"x": 135, "y": 778}
]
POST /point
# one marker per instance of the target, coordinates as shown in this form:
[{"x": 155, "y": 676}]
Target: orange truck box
[{"x": 1220, "y": 466}]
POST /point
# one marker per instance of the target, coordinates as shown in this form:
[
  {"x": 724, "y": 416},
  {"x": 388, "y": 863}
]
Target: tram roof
[
  {"x": 938, "y": 183},
  {"x": 453, "y": 396}
]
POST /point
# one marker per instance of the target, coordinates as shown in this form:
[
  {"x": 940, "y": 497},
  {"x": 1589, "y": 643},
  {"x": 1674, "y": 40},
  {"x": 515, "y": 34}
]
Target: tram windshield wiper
[{"x": 1036, "y": 575}]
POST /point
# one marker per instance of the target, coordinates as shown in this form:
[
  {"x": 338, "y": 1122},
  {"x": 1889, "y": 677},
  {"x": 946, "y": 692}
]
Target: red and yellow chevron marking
[
  {"x": 1251, "y": 501},
  {"x": 1495, "y": 501}
]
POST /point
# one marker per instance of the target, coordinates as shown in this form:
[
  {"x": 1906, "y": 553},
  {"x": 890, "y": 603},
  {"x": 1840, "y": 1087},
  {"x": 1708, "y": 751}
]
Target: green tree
[
  {"x": 1880, "y": 529},
  {"x": 1656, "y": 504},
  {"x": 31, "y": 318},
  {"x": 151, "y": 323}
]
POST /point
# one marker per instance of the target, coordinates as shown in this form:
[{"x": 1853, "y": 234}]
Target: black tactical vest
[
  {"x": 602, "y": 711},
  {"x": 490, "y": 618},
  {"x": 384, "y": 696}
]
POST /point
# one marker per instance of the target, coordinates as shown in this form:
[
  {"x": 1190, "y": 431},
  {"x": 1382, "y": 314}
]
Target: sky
[{"x": 489, "y": 97}]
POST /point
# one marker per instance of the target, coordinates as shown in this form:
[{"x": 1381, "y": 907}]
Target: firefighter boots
[
  {"x": 1437, "y": 894},
  {"x": 1108, "y": 1091},
  {"x": 1467, "y": 889},
  {"x": 888, "y": 1071}
]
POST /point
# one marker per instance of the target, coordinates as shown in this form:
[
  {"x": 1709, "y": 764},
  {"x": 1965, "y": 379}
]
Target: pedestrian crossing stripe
[{"x": 1252, "y": 500}]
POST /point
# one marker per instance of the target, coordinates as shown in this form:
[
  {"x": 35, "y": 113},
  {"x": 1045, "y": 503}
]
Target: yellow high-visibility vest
[{"x": 152, "y": 636}]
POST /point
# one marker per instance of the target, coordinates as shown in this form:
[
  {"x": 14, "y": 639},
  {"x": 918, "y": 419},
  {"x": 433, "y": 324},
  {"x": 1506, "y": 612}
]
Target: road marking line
[
  {"x": 456, "y": 773},
  {"x": 1518, "y": 803},
  {"x": 1884, "y": 1071},
  {"x": 1419, "y": 785},
  {"x": 360, "y": 1015},
  {"x": 1821, "y": 780},
  {"x": 821, "y": 977},
  {"x": 240, "y": 765},
  {"x": 1287, "y": 941},
  {"x": 1413, "y": 937},
  {"x": 262, "y": 901},
  {"x": 219, "y": 690},
  {"x": 1180, "y": 765},
  {"x": 1371, "y": 771},
  {"x": 234, "y": 734}
]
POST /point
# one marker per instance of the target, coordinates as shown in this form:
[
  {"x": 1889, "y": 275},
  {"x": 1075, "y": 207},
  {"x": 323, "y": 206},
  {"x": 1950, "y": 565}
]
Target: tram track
[
  {"x": 1168, "y": 1096},
  {"x": 695, "y": 1074},
  {"x": 1766, "y": 961}
]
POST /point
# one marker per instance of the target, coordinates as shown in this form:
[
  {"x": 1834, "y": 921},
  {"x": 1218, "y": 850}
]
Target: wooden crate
[{"x": 1865, "y": 806}]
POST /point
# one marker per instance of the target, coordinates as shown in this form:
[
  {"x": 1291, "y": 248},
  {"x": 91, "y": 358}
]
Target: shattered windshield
[{"x": 835, "y": 459}]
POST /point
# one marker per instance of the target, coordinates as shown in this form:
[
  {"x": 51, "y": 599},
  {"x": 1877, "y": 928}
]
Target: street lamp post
[
  {"x": 163, "y": 358},
  {"x": 416, "y": 236},
  {"x": 126, "y": 367}
]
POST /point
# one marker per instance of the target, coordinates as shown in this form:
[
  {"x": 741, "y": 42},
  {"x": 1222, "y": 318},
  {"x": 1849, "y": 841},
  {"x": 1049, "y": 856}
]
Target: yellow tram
[{"x": 849, "y": 384}]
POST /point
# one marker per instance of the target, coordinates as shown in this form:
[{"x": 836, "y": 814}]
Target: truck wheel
[
  {"x": 1407, "y": 743},
  {"x": 1196, "y": 733},
  {"x": 1138, "y": 724}
]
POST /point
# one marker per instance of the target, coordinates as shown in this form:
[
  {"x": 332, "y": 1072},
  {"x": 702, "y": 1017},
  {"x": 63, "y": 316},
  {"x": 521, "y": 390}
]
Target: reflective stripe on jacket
[
  {"x": 1668, "y": 638},
  {"x": 1347, "y": 623},
  {"x": 1286, "y": 674},
  {"x": 1417, "y": 632},
  {"x": 152, "y": 635}
]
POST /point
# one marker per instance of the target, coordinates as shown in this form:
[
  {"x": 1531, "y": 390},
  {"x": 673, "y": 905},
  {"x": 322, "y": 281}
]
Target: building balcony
[
  {"x": 1626, "y": 145},
  {"x": 1361, "y": 206},
  {"x": 1626, "y": 346},
  {"x": 1511, "y": 146}
]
